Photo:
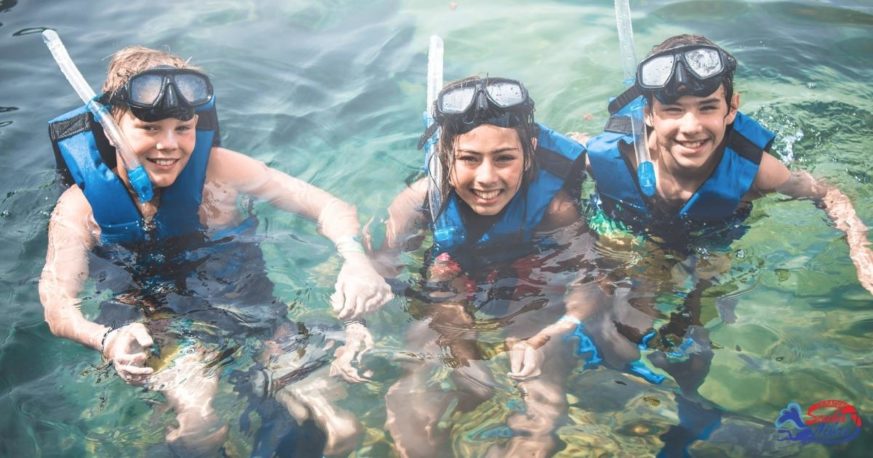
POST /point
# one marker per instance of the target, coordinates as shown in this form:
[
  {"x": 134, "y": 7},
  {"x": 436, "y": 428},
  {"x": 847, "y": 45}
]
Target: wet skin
[
  {"x": 488, "y": 168},
  {"x": 686, "y": 134},
  {"x": 162, "y": 147}
]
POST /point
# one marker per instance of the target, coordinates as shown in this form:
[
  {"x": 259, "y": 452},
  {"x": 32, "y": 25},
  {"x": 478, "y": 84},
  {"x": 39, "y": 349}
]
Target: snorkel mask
[
  {"x": 695, "y": 70},
  {"x": 163, "y": 92},
  {"x": 472, "y": 102}
]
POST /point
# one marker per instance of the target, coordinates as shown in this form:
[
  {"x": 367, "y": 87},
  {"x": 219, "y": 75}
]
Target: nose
[
  {"x": 689, "y": 123},
  {"x": 167, "y": 141},
  {"x": 486, "y": 173}
]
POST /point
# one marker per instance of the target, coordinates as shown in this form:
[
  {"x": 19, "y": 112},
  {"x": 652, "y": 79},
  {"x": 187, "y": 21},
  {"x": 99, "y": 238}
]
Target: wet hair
[
  {"x": 449, "y": 132},
  {"x": 676, "y": 41},
  {"x": 131, "y": 60}
]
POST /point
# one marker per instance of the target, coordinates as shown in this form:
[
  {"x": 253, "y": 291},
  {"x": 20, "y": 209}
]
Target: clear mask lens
[
  {"x": 656, "y": 72},
  {"x": 505, "y": 94},
  {"x": 146, "y": 89},
  {"x": 458, "y": 100},
  {"x": 704, "y": 62},
  {"x": 192, "y": 88}
]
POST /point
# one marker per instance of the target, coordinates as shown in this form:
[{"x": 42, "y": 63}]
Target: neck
[{"x": 146, "y": 209}]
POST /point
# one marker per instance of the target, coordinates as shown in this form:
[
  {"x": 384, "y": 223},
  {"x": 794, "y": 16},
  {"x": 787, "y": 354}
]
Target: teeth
[
  {"x": 692, "y": 144},
  {"x": 486, "y": 194},
  {"x": 164, "y": 161}
]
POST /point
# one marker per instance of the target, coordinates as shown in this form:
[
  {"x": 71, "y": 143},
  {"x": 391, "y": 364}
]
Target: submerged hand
[
  {"x": 128, "y": 348},
  {"x": 525, "y": 360},
  {"x": 359, "y": 289},
  {"x": 358, "y": 341}
]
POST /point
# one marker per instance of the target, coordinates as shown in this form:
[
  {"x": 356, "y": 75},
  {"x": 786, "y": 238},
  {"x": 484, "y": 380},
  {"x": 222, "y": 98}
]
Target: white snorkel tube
[
  {"x": 645, "y": 168},
  {"x": 431, "y": 157},
  {"x": 139, "y": 179}
]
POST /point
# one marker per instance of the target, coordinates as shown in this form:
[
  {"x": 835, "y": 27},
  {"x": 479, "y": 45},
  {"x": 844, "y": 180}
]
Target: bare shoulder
[
  {"x": 233, "y": 168},
  {"x": 419, "y": 187},
  {"x": 72, "y": 202},
  {"x": 772, "y": 174},
  {"x": 73, "y": 216},
  {"x": 408, "y": 202},
  {"x": 563, "y": 210}
]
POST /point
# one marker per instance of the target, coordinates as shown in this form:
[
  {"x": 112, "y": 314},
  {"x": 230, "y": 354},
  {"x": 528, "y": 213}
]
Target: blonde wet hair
[{"x": 131, "y": 60}]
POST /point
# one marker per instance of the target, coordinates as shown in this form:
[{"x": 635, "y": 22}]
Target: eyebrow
[
  {"x": 709, "y": 100},
  {"x": 497, "y": 151}
]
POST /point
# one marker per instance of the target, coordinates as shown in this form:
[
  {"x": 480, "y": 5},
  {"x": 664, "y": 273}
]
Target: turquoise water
[{"x": 332, "y": 92}]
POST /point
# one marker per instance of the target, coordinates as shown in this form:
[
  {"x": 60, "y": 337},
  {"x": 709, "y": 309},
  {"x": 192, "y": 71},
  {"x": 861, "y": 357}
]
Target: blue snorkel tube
[
  {"x": 645, "y": 169},
  {"x": 139, "y": 179},
  {"x": 431, "y": 159}
]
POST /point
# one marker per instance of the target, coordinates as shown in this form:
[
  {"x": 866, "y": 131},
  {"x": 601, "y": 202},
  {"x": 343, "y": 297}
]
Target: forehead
[
  {"x": 128, "y": 117},
  {"x": 692, "y": 100},
  {"x": 487, "y": 138}
]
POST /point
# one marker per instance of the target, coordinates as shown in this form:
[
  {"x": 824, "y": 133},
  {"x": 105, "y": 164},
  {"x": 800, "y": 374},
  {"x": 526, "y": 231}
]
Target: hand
[
  {"x": 128, "y": 348},
  {"x": 525, "y": 360},
  {"x": 359, "y": 289},
  {"x": 358, "y": 341}
]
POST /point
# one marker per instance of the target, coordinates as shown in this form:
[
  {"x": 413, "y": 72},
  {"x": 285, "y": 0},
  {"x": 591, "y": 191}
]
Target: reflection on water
[{"x": 332, "y": 93}]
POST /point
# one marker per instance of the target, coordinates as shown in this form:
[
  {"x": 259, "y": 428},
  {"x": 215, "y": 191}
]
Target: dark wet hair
[
  {"x": 676, "y": 41},
  {"x": 449, "y": 131}
]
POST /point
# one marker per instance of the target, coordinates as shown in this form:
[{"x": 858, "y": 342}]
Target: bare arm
[
  {"x": 359, "y": 287},
  {"x": 774, "y": 176},
  {"x": 562, "y": 211},
  {"x": 66, "y": 268},
  {"x": 336, "y": 219},
  {"x": 404, "y": 228},
  {"x": 72, "y": 234}
]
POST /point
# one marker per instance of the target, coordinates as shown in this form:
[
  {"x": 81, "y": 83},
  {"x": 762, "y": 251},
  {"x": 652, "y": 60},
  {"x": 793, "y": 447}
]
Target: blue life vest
[
  {"x": 716, "y": 200},
  {"x": 84, "y": 156},
  {"x": 557, "y": 157}
]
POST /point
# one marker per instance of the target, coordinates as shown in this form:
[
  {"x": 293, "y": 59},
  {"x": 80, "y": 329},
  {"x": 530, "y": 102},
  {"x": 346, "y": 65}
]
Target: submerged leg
[
  {"x": 313, "y": 398},
  {"x": 545, "y": 402},
  {"x": 190, "y": 386},
  {"x": 417, "y": 402}
]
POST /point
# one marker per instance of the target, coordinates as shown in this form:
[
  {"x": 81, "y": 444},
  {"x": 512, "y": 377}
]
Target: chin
[{"x": 163, "y": 181}]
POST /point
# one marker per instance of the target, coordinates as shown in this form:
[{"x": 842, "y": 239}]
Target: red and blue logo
[{"x": 828, "y": 422}]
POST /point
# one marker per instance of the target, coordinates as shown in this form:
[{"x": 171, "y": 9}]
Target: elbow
[{"x": 53, "y": 322}]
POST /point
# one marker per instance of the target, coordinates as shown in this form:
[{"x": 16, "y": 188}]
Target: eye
[
  {"x": 468, "y": 158},
  {"x": 505, "y": 158},
  {"x": 709, "y": 108}
]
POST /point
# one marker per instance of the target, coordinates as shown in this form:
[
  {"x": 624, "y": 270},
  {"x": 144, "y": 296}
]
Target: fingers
[
  {"x": 337, "y": 300},
  {"x": 141, "y": 335},
  {"x": 342, "y": 367},
  {"x": 516, "y": 357},
  {"x": 353, "y": 299},
  {"x": 524, "y": 361},
  {"x": 133, "y": 374}
]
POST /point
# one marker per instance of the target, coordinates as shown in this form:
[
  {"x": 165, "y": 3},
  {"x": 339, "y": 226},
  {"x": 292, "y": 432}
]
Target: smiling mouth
[
  {"x": 163, "y": 162},
  {"x": 691, "y": 145},
  {"x": 486, "y": 195}
]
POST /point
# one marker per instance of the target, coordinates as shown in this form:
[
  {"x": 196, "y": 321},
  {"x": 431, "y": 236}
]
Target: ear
[
  {"x": 647, "y": 115},
  {"x": 733, "y": 108}
]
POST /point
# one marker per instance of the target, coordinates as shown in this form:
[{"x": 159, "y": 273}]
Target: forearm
[
  {"x": 335, "y": 218},
  {"x": 65, "y": 320},
  {"x": 840, "y": 210},
  {"x": 842, "y": 213},
  {"x": 582, "y": 299}
]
